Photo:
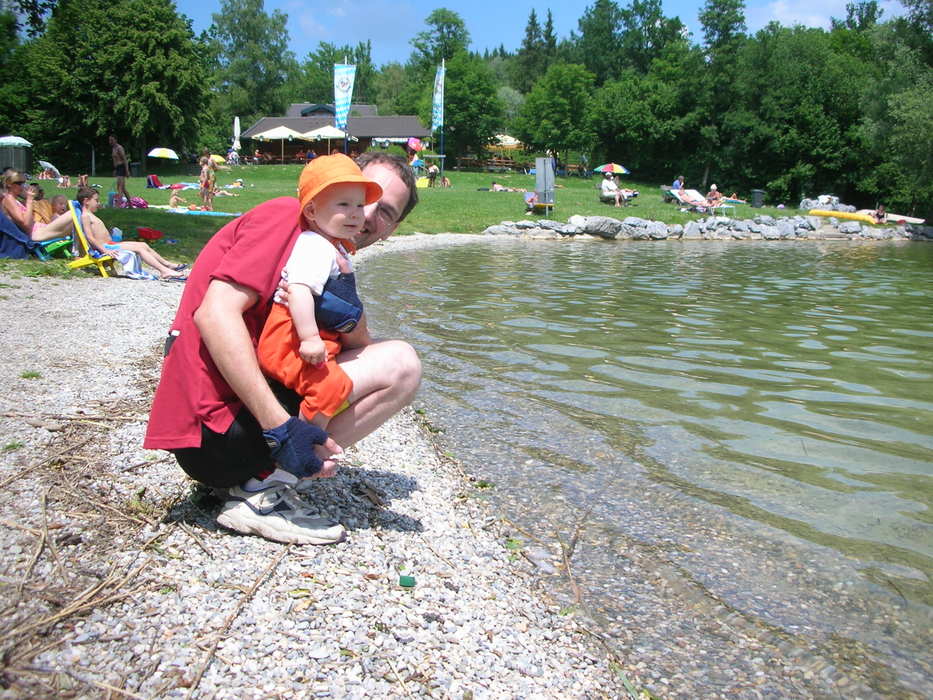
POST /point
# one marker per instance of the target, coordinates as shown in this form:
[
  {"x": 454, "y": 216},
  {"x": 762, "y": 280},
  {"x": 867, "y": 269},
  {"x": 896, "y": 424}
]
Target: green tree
[
  {"x": 860, "y": 15},
  {"x": 597, "y": 46},
  {"x": 795, "y": 123},
  {"x": 723, "y": 23},
  {"x": 133, "y": 68},
  {"x": 30, "y": 15},
  {"x": 389, "y": 84},
  {"x": 530, "y": 59},
  {"x": 253, "y": 63},
  {"x": 896, "y": 124},
  {"x": 512, "y": 101},
  {"x": 445, "y": 37},
  {"x": 645, "y": 33},
  {"x": 315, "y": 81},
  {"x": 472, "y": 111},
  {"x": 549, "y": 38},
  {"x": 555, "y": 113}
]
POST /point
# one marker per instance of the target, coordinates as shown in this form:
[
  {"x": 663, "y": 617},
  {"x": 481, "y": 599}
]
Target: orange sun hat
[{"x": 324, "y": 171}]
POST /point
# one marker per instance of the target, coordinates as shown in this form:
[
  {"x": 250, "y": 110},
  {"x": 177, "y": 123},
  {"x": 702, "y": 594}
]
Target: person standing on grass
[
  {"x": 220, "y": 416},
  {"x": 121, "y": 168}
]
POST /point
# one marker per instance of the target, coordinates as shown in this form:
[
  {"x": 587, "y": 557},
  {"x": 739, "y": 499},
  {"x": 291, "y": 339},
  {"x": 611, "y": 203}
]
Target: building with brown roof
[{"x": 364, "y": 124}]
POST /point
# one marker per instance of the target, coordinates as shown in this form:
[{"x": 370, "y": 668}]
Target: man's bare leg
[{"x": 386, "y": 376}]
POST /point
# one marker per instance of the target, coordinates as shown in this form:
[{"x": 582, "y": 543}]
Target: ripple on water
[{"x": 747, "y": 430}]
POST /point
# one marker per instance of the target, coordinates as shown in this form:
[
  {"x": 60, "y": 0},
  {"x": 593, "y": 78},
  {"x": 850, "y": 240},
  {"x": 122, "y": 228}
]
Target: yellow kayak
[{"x": 855, "y": 216}]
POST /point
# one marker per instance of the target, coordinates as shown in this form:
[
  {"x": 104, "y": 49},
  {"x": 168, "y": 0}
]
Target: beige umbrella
[
  {"x": 279, "y": 133},
  {"x": 326, "y": 132}
]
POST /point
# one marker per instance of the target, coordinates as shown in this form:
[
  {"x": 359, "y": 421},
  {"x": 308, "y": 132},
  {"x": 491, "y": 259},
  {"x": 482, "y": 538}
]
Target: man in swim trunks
[{"x": 121, "y": 167}]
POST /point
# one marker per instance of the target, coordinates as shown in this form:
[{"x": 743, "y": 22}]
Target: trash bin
[
  {"x": 758, "y": 198},
  {"x": 135, "y": 170}
]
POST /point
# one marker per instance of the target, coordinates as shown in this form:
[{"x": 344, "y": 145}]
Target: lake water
[{"x": 736, "y": 440}]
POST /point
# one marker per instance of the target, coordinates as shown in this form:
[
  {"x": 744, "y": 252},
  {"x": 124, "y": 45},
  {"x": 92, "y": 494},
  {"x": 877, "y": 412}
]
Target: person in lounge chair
[
  {"x": 99, "y": 238},
  {"x": 19, "y": 202},
  {"x": 714, "y": 196}
]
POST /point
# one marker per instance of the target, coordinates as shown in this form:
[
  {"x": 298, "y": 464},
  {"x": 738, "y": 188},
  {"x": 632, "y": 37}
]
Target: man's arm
[
  {"x": 122, "y": 156},
  {"x": 219, "y": 319}
]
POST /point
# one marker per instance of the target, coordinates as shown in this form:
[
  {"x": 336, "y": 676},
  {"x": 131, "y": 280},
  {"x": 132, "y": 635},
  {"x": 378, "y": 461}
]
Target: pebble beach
[{"x": 118, "y": 583}]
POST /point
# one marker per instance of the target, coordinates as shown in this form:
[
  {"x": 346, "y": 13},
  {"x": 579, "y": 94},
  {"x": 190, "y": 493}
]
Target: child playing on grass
[
  {"x": 175, "y": 200},
  {"x": 300, "y": 342}
]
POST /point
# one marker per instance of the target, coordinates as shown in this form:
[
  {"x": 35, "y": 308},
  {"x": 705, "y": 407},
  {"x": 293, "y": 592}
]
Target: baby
[{"x": 300, "y": 342}]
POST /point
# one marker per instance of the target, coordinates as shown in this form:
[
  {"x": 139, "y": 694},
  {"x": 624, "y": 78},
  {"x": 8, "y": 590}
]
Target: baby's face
[{"x": 338, "y": 210}]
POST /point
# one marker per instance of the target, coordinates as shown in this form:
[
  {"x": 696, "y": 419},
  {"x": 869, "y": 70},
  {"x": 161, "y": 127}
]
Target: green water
[{"x": 757, "y": 416}]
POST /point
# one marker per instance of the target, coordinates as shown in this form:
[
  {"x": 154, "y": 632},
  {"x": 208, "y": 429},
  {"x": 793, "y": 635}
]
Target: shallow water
[{"x": 737, "y": 437}]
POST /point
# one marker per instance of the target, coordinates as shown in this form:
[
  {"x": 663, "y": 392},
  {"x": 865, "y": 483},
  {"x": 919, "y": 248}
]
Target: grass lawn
[{"x": 460, "y": 209}]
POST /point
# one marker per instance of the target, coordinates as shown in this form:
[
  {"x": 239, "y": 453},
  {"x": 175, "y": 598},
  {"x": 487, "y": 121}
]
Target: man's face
[
  {"x": 112, "y": 140},
  {"x": 382, "y": 216},
  {"x": 59, "y": 206}
]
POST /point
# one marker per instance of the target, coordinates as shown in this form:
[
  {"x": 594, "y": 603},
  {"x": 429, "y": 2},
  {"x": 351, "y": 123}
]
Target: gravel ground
[{"x": 118, "y": 583}]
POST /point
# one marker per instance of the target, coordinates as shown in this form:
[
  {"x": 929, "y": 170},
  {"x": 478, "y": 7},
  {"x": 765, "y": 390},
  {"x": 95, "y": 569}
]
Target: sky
[{"x": 391, "y": 24}]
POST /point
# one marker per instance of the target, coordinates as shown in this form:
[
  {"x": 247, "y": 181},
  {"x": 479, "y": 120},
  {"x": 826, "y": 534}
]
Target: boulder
[
  {"x": 770, "y": 233},
  {"x": 692, "y": 231},
  {"x": 502, "y": 230},
  {"x": 603, "y": 226},
  {"x": 657, "y": 230},
  {"x": 577, "y": 221},
  {"x": 675, "y": 231},
  {"x": 764, "y": 219},
  {"x": 636, "y": 222},
  {"x": 785, "y": 229},
  {"x": 850, "y": 227}
]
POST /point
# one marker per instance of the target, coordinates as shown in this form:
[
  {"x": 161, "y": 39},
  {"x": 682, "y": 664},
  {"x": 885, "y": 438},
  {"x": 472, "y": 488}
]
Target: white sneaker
[{"x": 276, "y": 513}]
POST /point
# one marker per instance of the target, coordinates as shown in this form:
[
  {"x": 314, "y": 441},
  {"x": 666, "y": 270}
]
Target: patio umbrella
[
  {"x": 612, "y": 168},
  {"x": 159, "y": 152},
  {"x": 48, "y": 166},
  {"x": 14, "y": 141},
  {"x": 326, "y": 132},
  {"x": 279, "y": 133},
  {"x": 236, "y": 134}
]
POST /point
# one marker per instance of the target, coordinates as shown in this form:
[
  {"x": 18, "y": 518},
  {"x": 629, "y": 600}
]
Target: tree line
[{"x": 792, "y": 110}]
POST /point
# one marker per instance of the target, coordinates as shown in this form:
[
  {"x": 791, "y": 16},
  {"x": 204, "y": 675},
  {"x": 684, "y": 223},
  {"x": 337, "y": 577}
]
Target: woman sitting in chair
[{"x": 19, "y": 203}]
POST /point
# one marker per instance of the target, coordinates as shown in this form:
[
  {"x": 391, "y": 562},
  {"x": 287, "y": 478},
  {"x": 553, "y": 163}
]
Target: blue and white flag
[
  {"x": 344, "y": 73},
  {"x": 437, "y": 112}
]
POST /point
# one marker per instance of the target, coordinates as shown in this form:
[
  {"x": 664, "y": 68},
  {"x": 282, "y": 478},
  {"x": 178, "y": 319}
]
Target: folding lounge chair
[
  {"x": 86, "y": 255},
  {"x": 16, "y": 244}
]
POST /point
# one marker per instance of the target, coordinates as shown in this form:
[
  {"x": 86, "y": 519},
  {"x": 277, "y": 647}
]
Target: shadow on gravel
[{"x": 358, "y": 498}]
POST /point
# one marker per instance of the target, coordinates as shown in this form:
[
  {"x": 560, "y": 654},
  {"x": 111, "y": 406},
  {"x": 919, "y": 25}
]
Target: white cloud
[{"x": 810, "y": 13}]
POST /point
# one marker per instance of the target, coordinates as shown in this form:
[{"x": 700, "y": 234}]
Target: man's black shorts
[
  {"x": 230, "y": 458},
  {"x": 119, "y": 170}
]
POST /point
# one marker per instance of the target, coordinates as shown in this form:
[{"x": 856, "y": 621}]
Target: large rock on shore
[{"x": 761, "y": 227}]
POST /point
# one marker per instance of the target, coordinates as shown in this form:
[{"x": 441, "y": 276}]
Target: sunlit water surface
[{"x": 725, "y": 428}]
